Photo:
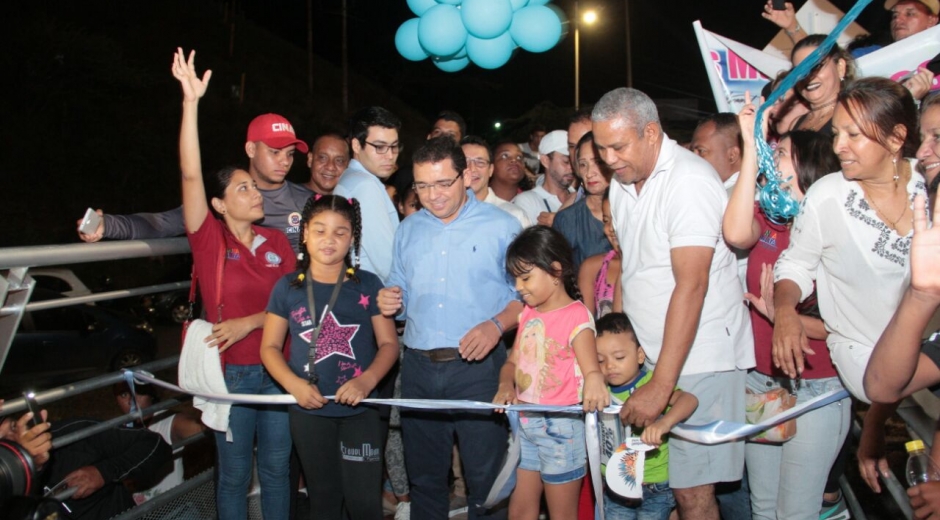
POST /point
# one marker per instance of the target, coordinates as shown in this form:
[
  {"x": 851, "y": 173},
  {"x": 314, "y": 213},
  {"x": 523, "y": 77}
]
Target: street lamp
[{"x": 589, "y": 17}]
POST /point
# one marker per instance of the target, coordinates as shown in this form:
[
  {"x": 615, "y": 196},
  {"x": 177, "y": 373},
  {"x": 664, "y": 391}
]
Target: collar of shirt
[{"x": 631, "y": 385}]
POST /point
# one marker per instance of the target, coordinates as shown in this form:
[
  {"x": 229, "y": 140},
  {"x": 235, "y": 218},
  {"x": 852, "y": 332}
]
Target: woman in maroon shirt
[
  {"x": 237, "y": 265},
  {"x": 786, "y": 480}
]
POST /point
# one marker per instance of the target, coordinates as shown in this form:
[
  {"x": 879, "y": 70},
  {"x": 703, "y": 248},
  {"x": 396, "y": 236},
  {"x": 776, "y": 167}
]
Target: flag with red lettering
[{"x": 734, "y": 68}]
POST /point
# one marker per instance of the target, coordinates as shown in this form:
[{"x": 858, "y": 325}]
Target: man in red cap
[{"x": 270, "y": 147}]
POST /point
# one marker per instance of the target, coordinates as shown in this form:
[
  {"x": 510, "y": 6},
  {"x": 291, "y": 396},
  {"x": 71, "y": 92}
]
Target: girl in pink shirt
[{"x": 553, "y": 361}]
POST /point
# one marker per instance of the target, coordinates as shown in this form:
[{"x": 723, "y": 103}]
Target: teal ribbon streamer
[{"x": 776, "y": 201}]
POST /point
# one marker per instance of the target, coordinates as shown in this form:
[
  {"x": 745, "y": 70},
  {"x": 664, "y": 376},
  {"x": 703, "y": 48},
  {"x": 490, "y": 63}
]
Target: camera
[{"x": 17, "y": 482}]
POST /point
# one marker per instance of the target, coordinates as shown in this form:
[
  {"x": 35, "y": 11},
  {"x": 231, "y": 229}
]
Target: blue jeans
[
  {"x": 553, "y": 445},
  {"x": 271, "y": 426},
  {"x": 787, "y": 480},
  {"x": 429, "y": 435},
  {"x": 657, "y": 503}
]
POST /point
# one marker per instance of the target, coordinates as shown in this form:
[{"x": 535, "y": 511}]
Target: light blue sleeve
[
  {"x": 378, "y": 231},
  {"x": 397, "y": 275}
]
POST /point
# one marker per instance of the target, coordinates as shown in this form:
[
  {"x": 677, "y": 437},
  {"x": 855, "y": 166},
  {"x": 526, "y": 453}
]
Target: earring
[
  {"x": 555, "y": 281},
  {"x": 896, "y": 176}
]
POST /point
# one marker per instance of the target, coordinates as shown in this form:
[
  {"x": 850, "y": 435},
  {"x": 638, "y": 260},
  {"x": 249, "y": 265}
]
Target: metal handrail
[
  {"x": 110, "y": 295},
  {"x": 37, "y": 256},
  {"x": 54, "y": 394},
  {"x": 120, "y": 420}
]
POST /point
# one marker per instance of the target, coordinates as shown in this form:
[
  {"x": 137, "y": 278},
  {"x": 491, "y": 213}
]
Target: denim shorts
[
  {"x": 658, "y": 501},
  {"x": 553, "y": 445}
]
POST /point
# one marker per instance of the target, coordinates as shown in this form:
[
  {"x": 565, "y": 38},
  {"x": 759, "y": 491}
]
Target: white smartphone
[{"x": 89, "y": 222}]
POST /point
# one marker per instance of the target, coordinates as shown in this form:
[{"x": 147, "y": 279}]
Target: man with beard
[{"x": 551, "y": 190}]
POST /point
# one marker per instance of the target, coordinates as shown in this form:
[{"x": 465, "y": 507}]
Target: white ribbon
[{"x": 716, "y": 432}]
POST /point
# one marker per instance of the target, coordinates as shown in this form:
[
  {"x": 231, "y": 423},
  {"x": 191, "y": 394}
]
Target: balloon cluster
[{"x": 454, "y": 33}]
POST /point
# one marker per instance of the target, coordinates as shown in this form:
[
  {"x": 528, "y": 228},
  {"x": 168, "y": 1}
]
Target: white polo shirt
[{"x": 681, "y": 204}]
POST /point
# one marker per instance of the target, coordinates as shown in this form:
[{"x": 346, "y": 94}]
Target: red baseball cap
[{"x": 274, "y": 131}]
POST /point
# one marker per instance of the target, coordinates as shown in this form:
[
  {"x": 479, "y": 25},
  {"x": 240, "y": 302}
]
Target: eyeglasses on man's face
[
  {"x": 477, "y": 162},
  {"x": 382, "y": 148},
  {"x": 441, "y": 185}
]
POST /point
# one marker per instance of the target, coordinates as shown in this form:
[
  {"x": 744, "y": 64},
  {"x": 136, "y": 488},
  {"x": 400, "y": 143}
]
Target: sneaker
[
  {"x": 403, "y": 511},
  {"x": 836, "y": 510}
]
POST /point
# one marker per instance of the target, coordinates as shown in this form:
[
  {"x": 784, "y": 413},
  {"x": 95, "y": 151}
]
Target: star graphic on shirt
[
  {"x": 364, "y": 300},
  {"x": 335, "y": 338}
]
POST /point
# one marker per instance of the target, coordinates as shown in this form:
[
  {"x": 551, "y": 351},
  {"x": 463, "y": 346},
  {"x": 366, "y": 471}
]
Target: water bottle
[{"x": 920, "y": 468}]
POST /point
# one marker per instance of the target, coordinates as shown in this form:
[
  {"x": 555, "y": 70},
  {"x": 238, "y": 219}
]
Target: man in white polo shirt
[{"x": 680, "y": 289}]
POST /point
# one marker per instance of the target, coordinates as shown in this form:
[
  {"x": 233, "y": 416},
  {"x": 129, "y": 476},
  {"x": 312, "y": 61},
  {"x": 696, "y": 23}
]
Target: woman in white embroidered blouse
[{"x": 853, "y": 233}]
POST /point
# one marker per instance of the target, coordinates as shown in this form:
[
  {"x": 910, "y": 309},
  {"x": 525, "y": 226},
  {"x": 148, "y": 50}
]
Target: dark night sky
[
  {"x": 91, "y": 79},
  {"x": 666, "y": 62}
]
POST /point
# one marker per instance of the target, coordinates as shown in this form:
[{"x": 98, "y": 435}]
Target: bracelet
[
  {"x": 499, "y": 327},
  {"x": 795, "y": 30}
]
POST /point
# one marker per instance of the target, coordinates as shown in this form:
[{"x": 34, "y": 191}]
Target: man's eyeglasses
[
  {"x": 478, "y": 163},
  {"x": 441, "y": 185},
  {"x": 506, "y": 156},
  {"x": 385, "y": 148}
]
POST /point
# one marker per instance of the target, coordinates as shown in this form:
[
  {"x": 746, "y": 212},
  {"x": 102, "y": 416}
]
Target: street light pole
[
  {"x": 577, "y": 57},
  {"x": 626, "y": 8}
]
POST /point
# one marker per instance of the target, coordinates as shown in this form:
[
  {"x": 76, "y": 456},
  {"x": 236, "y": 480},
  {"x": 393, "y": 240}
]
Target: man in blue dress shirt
[
  {"x": 373, "y": 136},
  {"x": 449, "y": 283}
]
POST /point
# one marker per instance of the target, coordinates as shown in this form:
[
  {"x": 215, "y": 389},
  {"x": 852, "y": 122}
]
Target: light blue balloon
[
  {"x": 539, "y": 2},
  {"x": 486, "y": 18},
  {"x": 462, "y": 53},
  {"x": 563, "y": 18},
  {"x": 406, "y": 41},
  {"x": 441, "y": 31},
  {"x": 419, "y": 7},
  {"x": 535, "y": 28},
  {"x": 451, "y": 65},
  {"x": 450, "y": 2},
  {"x": 492, "y": 53},
  {"x": 518, "y": 4}
]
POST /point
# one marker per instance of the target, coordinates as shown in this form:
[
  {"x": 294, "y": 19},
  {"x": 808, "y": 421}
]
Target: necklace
[
  {"x": 824, "y": 105},
  {"x": 891, "y": 224}
]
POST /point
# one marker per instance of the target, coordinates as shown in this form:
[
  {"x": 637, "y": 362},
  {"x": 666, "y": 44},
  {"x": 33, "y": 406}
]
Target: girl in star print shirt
[{"x": 339, "y": 443}]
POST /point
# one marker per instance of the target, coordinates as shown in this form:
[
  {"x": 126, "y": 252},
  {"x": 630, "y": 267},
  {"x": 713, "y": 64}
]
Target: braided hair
[
  {"x": 541, "y": 246},
  {"x": 349, "y": 209}
]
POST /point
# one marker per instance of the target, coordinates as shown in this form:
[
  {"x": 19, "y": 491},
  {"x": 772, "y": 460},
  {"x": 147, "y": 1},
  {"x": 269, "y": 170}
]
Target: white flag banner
[
  {"x": 734, "y": 68},
  {"x": 901, "y": 58},
  {"x": 730, "y": 75}
]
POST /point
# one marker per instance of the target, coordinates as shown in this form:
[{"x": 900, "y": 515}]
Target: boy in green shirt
[{"x": 621, "y": 359}]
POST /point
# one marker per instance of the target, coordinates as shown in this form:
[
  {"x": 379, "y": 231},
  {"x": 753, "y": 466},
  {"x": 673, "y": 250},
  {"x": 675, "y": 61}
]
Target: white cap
[{"x": 554, "y": 141}]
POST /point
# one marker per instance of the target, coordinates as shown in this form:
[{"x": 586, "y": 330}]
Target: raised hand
[
  {"x": 920, "y": 83},
  {"x": 185, "y": 71},
  {"x": 746, "y": 118},
  {"x": 785, "y": 19},
  {"x": 764, "y": 303}
]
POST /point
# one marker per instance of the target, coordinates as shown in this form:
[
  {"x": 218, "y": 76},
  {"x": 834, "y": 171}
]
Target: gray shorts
[{"x": 720, "y": 396}]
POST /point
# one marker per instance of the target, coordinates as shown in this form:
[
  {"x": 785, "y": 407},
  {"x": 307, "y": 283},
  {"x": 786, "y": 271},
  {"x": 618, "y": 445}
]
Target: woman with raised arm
[
  {"x": 783, "y": 476},
  {"x": 236, "y": 264}
]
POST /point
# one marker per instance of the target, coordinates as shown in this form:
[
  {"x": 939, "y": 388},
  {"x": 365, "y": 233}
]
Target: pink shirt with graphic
[{"x": 547, "y": 370}]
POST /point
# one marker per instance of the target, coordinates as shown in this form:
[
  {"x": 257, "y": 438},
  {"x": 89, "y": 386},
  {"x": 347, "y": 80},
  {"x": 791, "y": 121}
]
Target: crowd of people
[{"x": 602, "y": 262}]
